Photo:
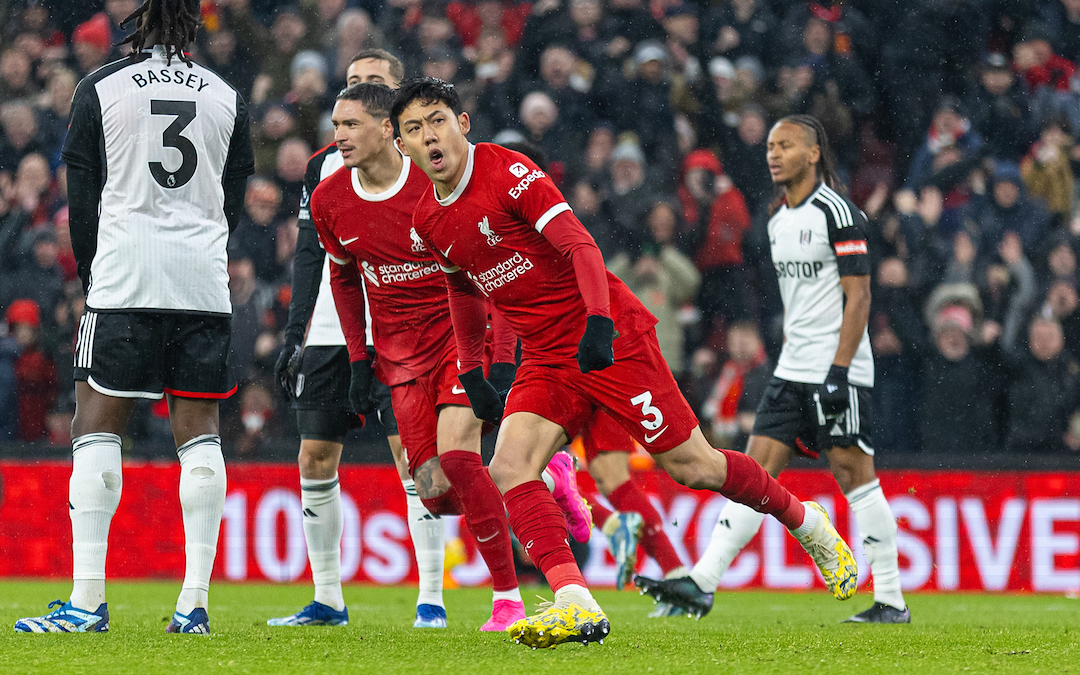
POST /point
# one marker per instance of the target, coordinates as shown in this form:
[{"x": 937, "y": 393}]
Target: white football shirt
[
  {"x": 164, "y": 137},
  {"x": 814, "y": 244}
]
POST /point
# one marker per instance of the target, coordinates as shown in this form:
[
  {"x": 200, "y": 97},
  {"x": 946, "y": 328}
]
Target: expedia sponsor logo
[
  {"x": 525, "y": 182},
  {"x": 396, "y": 274},
  {"x": 503, "y": 273},
  {"x": 798, "y": 269},
  {"x": 518, "y": 169}
]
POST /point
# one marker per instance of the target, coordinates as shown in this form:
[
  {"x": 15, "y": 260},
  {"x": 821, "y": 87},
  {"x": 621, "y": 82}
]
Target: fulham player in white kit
[
  {"x": 158, "y": 154},
  {"x": 819, "y": 396}
]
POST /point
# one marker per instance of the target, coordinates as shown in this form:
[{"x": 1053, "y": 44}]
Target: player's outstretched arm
[
  {"x": 84, "y": 190},
  {"x": 569, "y": 236}
]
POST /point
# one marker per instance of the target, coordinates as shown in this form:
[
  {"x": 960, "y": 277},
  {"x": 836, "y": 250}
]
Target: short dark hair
[
  {"x": 397, "y": 69},
  {"x": 426, "y": 90},
  {"x": 375, "y": 97}
]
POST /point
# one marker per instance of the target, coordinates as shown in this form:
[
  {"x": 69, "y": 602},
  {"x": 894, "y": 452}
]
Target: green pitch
[{"x": 745, "y": 633}]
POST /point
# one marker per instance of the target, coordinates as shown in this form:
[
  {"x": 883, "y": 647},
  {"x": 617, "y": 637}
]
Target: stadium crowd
[{"x": 955, "y": 123}]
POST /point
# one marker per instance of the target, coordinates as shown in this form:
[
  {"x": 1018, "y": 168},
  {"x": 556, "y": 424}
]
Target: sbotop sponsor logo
[
  {"x": 525, "y": 182},
  {"x": 503, "y": 273}
]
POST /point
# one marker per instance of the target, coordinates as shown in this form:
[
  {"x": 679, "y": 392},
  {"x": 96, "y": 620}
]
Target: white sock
[
  {"x": 734, "y": 529},
  {"x": 548, "y": 480},
  {"x": 578, "y": 595},
  {"x": 93, "y": 495},
  {"x": 878, "y": 528},
  {"x": 202, "y": 499},
  {"x": 428, "y": 537},
  {"x": 810, "y": 521},
  {"x": 514, "y": 595},
  {"x": 321, "y": 500}
]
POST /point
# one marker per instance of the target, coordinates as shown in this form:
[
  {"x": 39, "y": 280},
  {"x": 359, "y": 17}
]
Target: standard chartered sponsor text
[
  {"x": 503, "y": 273},
  {"x": 410, "y": 271}
]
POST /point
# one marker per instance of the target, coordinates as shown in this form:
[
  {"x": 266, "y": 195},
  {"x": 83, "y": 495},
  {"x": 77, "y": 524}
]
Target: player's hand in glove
[
  {"x": 501, "y": 376},
  {"x": 833, "y": 393},
  {"x": 483, "y": 397},
  {"x": 595, "y": 351},
  {"x": 288, "y": 364},
  {"x": 360, "y": 387}
]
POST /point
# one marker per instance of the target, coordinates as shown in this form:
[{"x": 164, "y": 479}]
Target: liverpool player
[
  {"x": 314, "y": 372},
  {"x": 501, "y": 229}
]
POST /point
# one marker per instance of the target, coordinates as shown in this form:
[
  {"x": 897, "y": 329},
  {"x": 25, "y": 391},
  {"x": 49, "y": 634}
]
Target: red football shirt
[
  {"x": 372, "y": 235},
  {"x": 492, "y": 227}
]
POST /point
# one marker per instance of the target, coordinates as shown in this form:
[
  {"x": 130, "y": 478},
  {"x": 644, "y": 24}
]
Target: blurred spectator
[
  {"x": 540, "y": 117},
  {"x": 9, "y": 399},
  {"x": 1008, "y": 208},
  {"x": 959, "y": 373},
  {"x": 1000, "y": 110},
  {"x": 1047, "y": 172},
  {"x": 661, "y": 277},
  {"x": 92, "y": 43},
  {"x": 308, "y": 95},
  {"x": 40, "y": 278},
  {"x": 1047, "y": 74},
  {"x": 587, "y": 202},
  {"x": 53, "y": 115},
  {"x": 743, "y": 153},
  {"x": 20, "y": 137},
  {"x": 1062, "y": 306},
  {"x": 896, "y": 382},
  {"x": 225, "y": 57},
  {"x": 117, "y": 11},
  {"x": 275, "y": 47},
  {"x": 276, "y": 125},
  {"x": 950, "y": 128},
  {"x": 629, "y": 196},
  {"x": 732, "y": 401},
  {"x": 1062, "y": 19},
  {"x": 1008, "y": 290},
  {"x": 1042, "y": 391},
  {"x": 251, "y": 300},
  {"x": 353, "y": 33},
  {"x": 292, "y": 157},
  {"x": 255, "y": 238},
  {"x": 743, "y": 28},
  {"x": 15, "y": 81},
  {"x": 35, "y": 372},
  {"x": 716, "y": 219},
  {"x": 472, "y": 17}
]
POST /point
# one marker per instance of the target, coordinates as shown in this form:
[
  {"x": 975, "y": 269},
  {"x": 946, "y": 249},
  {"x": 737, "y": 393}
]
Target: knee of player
[{"x": 430, "y": 480}]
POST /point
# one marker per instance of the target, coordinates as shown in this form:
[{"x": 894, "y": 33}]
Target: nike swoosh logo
[
  {"x": 650, "y": 439},
  {"x": 446, "y": 253},
  {"x": 457, "y": 390},
  {"x": 346, "y": 242},
  {"x": 482, "y": 541}
]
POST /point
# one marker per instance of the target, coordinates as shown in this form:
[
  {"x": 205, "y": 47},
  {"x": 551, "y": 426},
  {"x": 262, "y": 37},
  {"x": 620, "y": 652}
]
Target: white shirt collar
[
  {"x": 462, "y": 184},
  {"x": 402, "y": 178}
]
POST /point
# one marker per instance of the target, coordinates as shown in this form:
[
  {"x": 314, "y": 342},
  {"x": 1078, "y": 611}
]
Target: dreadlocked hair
[
  {"x": 178, "y": 20},
  {"x": 826, "y": 165}
]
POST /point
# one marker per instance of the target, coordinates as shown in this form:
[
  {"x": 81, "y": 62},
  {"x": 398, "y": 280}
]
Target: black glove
[
  {"x": 288, "y": 363},
  {"x": 833, "y": 393},
  {"x": 484, "y": 399},
  {"x": 360, "y": 387},
  {"x": 595, "y": 351},
  {"x": 501, "y": 376}
]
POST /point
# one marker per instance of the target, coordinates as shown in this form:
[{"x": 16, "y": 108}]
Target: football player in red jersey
[
  {"x": 502, "y": 230},
  {"x": 364, "y": 218}
]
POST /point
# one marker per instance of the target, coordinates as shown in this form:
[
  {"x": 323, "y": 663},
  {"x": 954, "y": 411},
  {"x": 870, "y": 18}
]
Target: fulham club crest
[{"x": 804, "y": 238}]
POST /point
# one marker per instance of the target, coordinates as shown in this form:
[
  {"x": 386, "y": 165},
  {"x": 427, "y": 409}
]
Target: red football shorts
[
  {"x": 603, "y": 434},
  {"x": 416, "y": 404},
  {"x": 638, "y": 392}
]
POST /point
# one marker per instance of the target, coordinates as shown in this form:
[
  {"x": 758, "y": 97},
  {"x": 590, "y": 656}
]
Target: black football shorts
[
  {"x": 322, "y": 404},
  {"x": 789, "y": 414},
  {"x": 147, "y": 354}
]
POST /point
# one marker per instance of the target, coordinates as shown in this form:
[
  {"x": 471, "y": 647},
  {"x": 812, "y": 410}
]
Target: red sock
[
  {"x": 628, "y": 498},
  {"x": 482, "y": 507},
  {"x": 446, "y": 504},
  {"x": 748, "y": 483},
  {"x": 600, "y": 513},
  {"x": 541, "y": 528}
]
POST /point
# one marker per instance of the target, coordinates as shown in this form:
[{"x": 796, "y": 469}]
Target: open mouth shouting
[{"x": 435, "y": 156}]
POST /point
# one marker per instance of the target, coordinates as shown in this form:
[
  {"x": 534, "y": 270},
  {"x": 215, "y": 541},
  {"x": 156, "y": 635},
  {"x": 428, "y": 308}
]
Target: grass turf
[{"x": 747, "y": 632}]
